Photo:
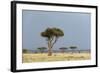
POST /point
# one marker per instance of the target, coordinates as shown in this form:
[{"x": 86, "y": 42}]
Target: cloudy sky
[{"x": 76, "y": 28}]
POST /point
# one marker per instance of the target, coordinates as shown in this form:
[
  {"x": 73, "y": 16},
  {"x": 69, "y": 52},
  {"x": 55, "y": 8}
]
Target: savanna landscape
[{"x": 49, "y": 36}]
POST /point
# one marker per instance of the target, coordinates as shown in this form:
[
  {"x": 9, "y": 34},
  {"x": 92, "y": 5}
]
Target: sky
[{"x": 76, "y": 27}]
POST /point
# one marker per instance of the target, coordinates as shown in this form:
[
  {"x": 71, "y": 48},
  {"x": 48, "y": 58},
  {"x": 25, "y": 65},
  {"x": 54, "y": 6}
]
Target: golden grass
[{"x": 31, "y": 57}]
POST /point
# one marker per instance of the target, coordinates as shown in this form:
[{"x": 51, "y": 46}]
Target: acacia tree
[
  {"x": 52, "y": 35},
  {"x": 42, "y": 49},
  {"x": 63, "y": 49},
  {"x": 25, "y": 50},
  {"x": 73, "y": 48}
]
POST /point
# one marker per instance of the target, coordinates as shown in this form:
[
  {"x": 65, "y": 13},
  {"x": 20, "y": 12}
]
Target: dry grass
[{"x": 29, "y": 58}]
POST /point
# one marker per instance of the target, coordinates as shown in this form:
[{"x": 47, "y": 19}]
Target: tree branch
[{"x": 56, "y": 38}]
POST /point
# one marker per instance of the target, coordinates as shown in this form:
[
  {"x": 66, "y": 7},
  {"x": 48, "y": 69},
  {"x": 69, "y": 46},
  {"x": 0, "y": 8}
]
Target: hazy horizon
[{"x": 76, "y": 28}]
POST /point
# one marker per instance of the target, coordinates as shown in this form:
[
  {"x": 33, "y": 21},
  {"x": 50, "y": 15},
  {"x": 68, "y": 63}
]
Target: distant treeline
[{"x": 55, "y": 51}]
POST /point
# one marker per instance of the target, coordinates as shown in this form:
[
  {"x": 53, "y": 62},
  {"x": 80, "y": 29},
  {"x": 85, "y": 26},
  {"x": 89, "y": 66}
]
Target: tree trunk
[
  {"x": 49, "y": 49},
  {"x": 62, "y": 51},
  {"x": 49, "y": 52}
]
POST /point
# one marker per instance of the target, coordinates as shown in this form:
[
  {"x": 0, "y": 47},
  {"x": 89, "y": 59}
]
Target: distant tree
[
  {"x": 73, "y": 48},
  {"x": 52, "y": 35},
  {"x": 42, "y": 49},
  {"x": 25, "y": 50},
  {"x": 63, "y": 49}
]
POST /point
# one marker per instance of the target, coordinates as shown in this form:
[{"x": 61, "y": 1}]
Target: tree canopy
[
  {"x": 63, "y": 48},
  {"x": 52, "y": 32},
  {"x": 41, "y": 49},
  {"x": 73, "y": 47}
]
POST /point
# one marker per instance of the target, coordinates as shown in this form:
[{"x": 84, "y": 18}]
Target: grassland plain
[{"x": 43, "y": 57}]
